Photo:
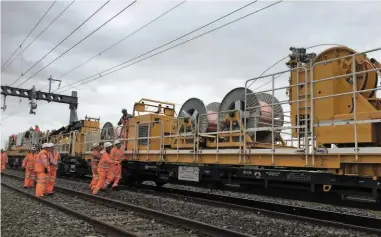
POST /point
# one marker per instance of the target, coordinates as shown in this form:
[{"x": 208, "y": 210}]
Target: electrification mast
[{"x": 34, "y": 95}]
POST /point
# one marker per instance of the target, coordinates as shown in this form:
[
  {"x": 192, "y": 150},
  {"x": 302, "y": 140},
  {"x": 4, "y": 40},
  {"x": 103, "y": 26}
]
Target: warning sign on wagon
[{"x": 189, "y": 173}]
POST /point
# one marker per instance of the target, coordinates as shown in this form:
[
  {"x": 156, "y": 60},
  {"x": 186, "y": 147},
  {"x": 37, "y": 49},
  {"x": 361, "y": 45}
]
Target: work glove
[{"x": 46, "y": 170}]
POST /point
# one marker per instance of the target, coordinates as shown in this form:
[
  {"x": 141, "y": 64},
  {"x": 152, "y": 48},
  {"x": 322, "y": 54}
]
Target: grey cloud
[{"x": 206, "y": 68}]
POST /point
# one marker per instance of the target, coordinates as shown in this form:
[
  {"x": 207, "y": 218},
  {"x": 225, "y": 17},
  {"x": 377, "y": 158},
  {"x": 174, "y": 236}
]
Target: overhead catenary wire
[
  {"x": 99, "y": 75},
  {"x": 35, "y": 26},
  {"x": 171, "y": 41},
  {"x": 83, "y": 39},
  {"x": 62, "y": 41},
  {"x": 280, "y": 60},
  {"x": 240, "y": 18},
  {"x": 121, "y": 40},
  {"x": 26, "y": 47}
]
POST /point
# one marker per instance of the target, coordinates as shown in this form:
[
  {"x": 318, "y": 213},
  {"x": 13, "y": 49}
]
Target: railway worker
[
  {"x": 28, "y": 165},
  {"x": 54, "y": 157},
  {"x": 117, "y": 155},
  {"x": 41, "y": 168},
  {"x": 103, "y": 168},
  {"x": 4, "y": 160},
  {"x": 95, "y": 157},
  {"x": 124, "y": 121}
]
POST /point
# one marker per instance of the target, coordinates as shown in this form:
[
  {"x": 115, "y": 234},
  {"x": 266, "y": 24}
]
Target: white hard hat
[
  {"x": 117, "y": 142},
  {"x": 45, "y": 145},
  {"x": 107, "y": 144},
  {"x": 33, "y": 148},
  {"x": 95, "y": 145},
  {"x": 51, "y": 144}
]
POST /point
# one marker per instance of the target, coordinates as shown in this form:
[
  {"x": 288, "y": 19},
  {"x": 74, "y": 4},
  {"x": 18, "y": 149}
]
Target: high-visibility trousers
[
  {"x": 118, "y": 175},
  {"x": 50, "y": 180},
  {"x": 111, "y": 175},
  {"x": 41, "y": 182},
  {"x": 30, "y": 176},
  {"x": 95, "y": 179},
  {"x": 102, "y": 173}
]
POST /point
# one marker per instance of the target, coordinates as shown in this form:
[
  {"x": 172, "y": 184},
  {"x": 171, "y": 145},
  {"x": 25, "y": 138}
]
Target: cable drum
[
  {"x": 107, "y": 132},
  {"x": 192, "y": 109},
  {"x": 235, "y": 100},
  {"x": 269, "y": 106},
  {"x": 212, "y": 109}
]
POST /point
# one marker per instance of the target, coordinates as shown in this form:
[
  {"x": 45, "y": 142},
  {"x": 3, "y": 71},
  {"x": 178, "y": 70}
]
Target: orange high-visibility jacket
[
  {"x": 4, "y": 158},
  {"x": 42, "y": 161},
  {"x": 28, "y": 162},
  {"x": 117, "y": 154},
  {"x": 53, "y": 159},
  {"x": 96, "y": 155},
  {"x": 105, "y": 161}
]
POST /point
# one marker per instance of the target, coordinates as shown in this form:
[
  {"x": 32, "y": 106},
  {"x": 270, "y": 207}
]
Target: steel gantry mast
[{"x": 34, "y": 95}]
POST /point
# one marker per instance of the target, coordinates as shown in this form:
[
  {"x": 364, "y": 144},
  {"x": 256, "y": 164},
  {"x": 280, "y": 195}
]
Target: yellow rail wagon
[
  {"x": 315, "y": 126},
  {"x": 317, "y": 129}
]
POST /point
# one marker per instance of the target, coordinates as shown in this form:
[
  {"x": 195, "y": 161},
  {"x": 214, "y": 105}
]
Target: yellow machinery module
[
  {"x": 344, "y": 90},
  {"x": 332, "y": 113}
]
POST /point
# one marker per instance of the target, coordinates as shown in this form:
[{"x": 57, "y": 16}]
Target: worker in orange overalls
[
  {"x": 117, "y": 155},
  {"x": 54, "y": 157},
  {"x": 124, "y": 121},
  {"x": 41, "y": 168},
  {"x": 4, "y": 160},
  {"x": 103, "y": 168},
  {"x": 28, "y": 165},
  {"x": 95, "y": 157}
]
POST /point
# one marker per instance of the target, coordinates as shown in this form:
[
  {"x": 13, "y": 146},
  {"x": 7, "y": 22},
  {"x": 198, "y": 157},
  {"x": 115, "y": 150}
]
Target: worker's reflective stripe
[
  {"x": 41, "y": 180},
  {"x": 104, "y": 165}
]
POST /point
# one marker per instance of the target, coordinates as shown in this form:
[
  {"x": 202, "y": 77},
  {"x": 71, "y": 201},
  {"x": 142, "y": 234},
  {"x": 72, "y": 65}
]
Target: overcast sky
[{"x": 206, "y": 68}]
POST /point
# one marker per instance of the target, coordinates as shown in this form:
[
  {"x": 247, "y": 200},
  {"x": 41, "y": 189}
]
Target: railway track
[
  {"x": 123, "y": 219},
  {"x": 285, "y": 194},
  {"x": 355, "y": 222},
  {"x": 328, "y": 218}
]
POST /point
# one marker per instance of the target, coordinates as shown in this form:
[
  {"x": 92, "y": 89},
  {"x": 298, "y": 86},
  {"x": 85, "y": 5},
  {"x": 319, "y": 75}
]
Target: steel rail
[
  {"x": 98, "y": 225},
  {"x": 288, "y": 194},
  {"x": 185, "y": 223},
  {"x": 329, "y": 218}
]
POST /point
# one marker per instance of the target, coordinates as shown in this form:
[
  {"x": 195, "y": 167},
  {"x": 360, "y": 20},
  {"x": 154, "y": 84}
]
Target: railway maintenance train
[{"x": 324, "y": 136}]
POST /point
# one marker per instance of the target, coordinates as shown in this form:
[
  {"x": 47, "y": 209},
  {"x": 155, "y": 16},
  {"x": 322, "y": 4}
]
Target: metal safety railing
[
  {"x": 307, "y": 100},
  {"x": 354, "y": 93},
  {"x": 295, "y": 129}
]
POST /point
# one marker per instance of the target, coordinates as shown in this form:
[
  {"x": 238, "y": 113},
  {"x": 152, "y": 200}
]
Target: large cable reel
[
  {"x": 235, "y": 101},
  {"x": 107, "y": 132},
  {"x": 270, "y": 106},
  {"x": 260, "y": 107},
  {"x": 194, "y": 112},
  {"x": 365, "y": 80}
]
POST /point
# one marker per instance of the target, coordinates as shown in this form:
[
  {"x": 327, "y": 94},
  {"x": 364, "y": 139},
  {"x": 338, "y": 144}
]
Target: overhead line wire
[
  {"x": 174, "y": 40},
  {"x": 280, "y": 60},
  {"x": 39, "y": 35},
  {"x": 62, "y": 41},
  {"x": 120, "y": 12},
  {"x": 180, "y": 43},
  {"x": 100, "y": 73},
  {"x": 35, "y": 26},
  {"x": 128, "y": 36}
]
